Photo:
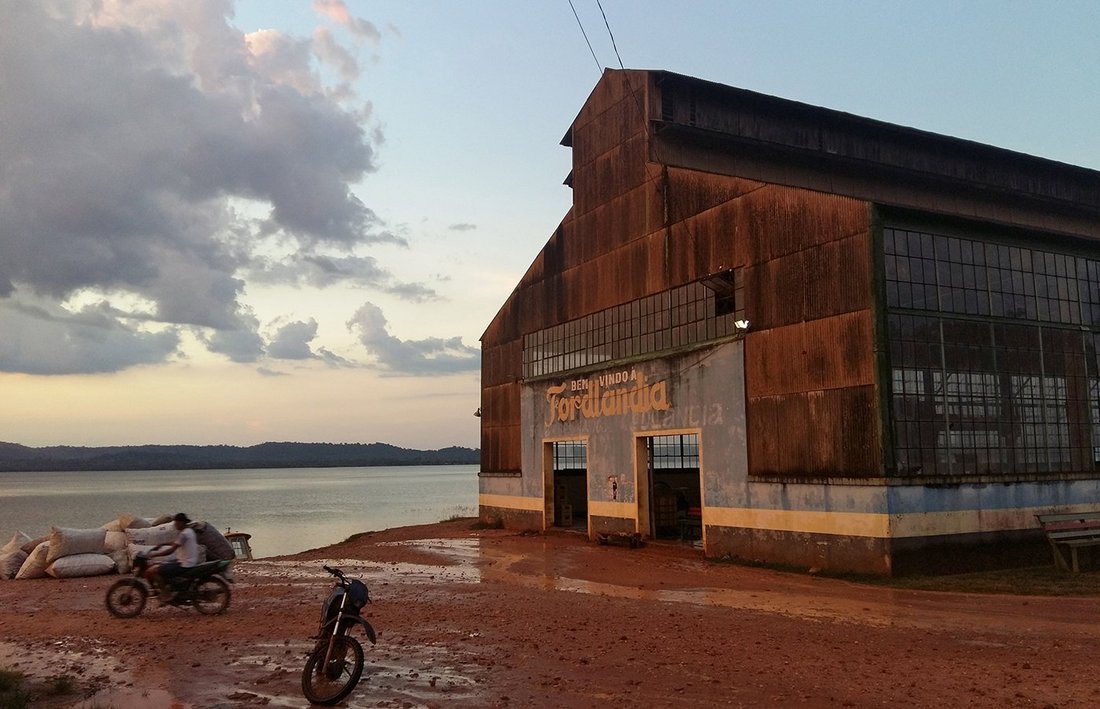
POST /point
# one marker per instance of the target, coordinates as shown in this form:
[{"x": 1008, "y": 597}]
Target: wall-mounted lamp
[{"x": 742, "y": 325}]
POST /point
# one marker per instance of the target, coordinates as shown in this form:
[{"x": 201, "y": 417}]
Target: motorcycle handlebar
[{"x": 335, "y": 572}]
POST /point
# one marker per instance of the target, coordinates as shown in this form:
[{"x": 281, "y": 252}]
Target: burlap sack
[
  {"x": 114, "y": 541},
  {"x": 12, "y": 555},
  {"x": 113, "y": 526},
  {"x": 35, "y": 565},
  {"x": 17, "y": 542},
  {"x": 75, "y": 565},
  {"x": 122, "y": 560},
  {"x": 33, "y": 544},
  {"x": 151, "y": 536},
  {"x": 66, "y": 542},
  {"x": 132, "y": 522},
  {"x": 217, "y": 546},
  {"x": 10, "y": 562}
]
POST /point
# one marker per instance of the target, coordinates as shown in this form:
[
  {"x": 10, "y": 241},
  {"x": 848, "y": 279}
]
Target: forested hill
[{"x": 265, "y": 455}]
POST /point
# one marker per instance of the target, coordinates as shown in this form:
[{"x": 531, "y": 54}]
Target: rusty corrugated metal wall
[
  {"x": 638, "y": 227},
  {"x": 592, "y": 261}
]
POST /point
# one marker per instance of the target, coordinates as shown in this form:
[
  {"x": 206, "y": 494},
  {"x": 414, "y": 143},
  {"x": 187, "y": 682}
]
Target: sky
[{"x": 236, "y": 222}]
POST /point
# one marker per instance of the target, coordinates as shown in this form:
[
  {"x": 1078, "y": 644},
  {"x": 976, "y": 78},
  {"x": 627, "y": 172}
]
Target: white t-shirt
[{"x": 188, "y": 551}]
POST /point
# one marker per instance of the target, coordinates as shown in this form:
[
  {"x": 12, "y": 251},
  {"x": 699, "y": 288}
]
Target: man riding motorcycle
[{"x": 186, "y": 547}]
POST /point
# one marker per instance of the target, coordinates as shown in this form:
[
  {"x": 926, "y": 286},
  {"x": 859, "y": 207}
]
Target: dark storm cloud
[
  {"x": 432, "y": 355},
  {"x": 128, "y": 131}
]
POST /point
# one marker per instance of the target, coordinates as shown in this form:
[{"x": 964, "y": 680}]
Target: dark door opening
[
  {"x": 570, "y": 484},
  {"x": 676, "y": 508}
]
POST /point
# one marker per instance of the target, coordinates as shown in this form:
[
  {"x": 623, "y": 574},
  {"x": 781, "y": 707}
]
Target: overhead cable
[
  {"x": 608, "y": 26},
  {"x": 599, "y": 67}
]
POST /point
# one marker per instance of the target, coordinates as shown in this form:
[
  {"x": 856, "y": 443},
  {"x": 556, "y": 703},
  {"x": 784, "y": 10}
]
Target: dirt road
[{"x": 492, "y": 619}]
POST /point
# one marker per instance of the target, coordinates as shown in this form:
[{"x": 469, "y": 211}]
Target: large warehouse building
[{"x": 798, "y": 336}]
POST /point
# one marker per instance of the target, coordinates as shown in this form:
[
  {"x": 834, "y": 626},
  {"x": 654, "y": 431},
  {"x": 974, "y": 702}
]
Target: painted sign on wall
[{"x": 613, "y": 394}]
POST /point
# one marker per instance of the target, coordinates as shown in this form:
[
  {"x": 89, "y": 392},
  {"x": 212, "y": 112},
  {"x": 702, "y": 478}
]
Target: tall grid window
[
  {"x": 993, "y": 353},
  {"x": 681, "y": 317},
  {"x": 949, "y": 274},
  {"x": 570, "y": 455},
  {"x": 675, "y": 452}
]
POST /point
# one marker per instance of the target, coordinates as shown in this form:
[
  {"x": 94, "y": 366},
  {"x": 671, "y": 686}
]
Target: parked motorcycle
[
  {"x": 204, "y": 587},
  {"x": 336, "y": 663}
]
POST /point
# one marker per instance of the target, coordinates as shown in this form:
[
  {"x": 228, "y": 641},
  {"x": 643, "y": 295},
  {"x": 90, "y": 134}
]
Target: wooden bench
[{"x": 1072, "y": 530}]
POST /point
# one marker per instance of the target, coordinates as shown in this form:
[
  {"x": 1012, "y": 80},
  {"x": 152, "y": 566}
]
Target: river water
[{"x": 286, "y": 510}]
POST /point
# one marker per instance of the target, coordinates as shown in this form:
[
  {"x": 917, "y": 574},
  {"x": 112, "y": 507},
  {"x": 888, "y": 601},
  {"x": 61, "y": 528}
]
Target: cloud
[
  {"x": 334, "y": 360},
  {"x": 131, "y": 131},
  {"x": 413, "y": 292},
  {"x": 292, "y": 340},
  {"x": 462, "y": 227},
  {"x": 429, "y": 356},
  {"x": 241, "y": 342},
  {"x": 47, "y": 340},
  {"x": 338, "y": 12},
  {"x": 321, "y": 271}
]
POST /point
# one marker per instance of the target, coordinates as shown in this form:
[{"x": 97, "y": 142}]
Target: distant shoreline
[{"x": 19, "y": 458}]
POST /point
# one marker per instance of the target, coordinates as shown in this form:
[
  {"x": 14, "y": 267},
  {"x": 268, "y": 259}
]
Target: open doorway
[
  {"x": 569, "y": 487},
  {"x": 675, "y": 494}
]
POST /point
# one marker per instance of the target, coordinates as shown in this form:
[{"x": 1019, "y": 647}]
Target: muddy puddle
[
  {"x": 105, "y": 680},
  {"x": 420, "y": 677},
  {"x": 469, "y": 561}
]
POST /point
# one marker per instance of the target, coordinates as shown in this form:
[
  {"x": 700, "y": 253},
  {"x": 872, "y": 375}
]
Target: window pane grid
[
  {"x": 570, "y": 455},
  {"x": 681, "y": 317},
  {"x": 980, "y": 394},
  {"x": 674, "y": 452}
]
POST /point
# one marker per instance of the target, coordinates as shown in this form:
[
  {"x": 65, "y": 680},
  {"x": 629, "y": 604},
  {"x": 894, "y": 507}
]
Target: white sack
[
  {"x": 66, "y": 542},
  {"x": 75, "y": 565}
]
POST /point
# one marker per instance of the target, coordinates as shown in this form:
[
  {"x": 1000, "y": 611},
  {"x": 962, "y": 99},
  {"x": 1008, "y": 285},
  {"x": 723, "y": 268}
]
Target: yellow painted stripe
[
  {"x": 623, "y": 510},
  {"x": 871, "y": 524},
  {"x": 512, "y": 502},
  {"x": 850, "y": 524},
  {"x": 925, "y": 524}
]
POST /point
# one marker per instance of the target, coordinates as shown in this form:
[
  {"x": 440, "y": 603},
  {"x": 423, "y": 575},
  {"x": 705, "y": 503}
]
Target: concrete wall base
[
  {"x": 945, "y": 554},
  {"x": 610, "y": 525},
  {"x": 520, "y": 520}
]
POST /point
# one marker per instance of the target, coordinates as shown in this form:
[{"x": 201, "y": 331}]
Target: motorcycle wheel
[
  {"x": 327, "y": 686},
  {"x": 211, "y": 596},
  {"x": 126, "y": 598}
]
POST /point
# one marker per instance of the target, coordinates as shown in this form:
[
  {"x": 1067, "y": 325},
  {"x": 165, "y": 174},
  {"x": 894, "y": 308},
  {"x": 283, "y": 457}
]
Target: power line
[
  {"x": 605, "y": 24},
  {"x": 599, "y": 67}
]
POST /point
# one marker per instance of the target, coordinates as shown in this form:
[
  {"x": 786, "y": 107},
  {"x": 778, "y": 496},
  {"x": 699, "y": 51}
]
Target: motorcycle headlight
[{"x": 358, "y": 594}]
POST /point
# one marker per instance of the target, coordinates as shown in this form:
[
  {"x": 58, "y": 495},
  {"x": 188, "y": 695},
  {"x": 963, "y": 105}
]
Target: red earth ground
[{"x": 490, "y": 618}]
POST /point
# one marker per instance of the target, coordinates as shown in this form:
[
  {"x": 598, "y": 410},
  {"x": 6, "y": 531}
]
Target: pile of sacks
[{"x": 66, "y": 552}]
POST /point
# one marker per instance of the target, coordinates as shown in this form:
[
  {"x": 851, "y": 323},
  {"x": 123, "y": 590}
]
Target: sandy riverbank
[{"x": 488, "y": 618}]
